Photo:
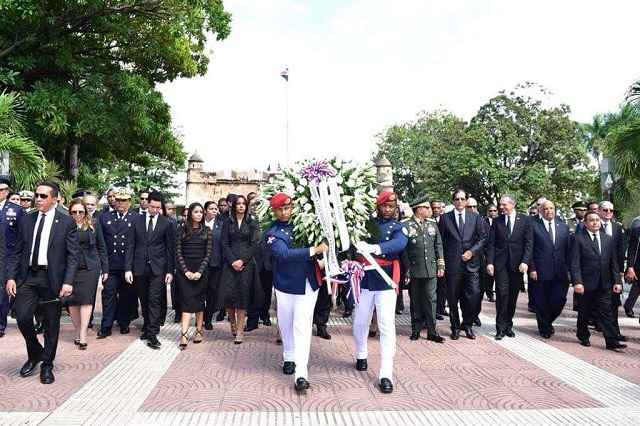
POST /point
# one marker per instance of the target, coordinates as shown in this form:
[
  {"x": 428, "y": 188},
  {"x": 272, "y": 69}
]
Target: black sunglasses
[{"x": 43, "y": 196}]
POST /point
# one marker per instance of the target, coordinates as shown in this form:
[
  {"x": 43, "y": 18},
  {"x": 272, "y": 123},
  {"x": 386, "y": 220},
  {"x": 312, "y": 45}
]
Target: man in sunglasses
[
  {"x": 143, "y": 202},
  {"x": 45, "y": 272},
  {"x": 492, "y": 213}
]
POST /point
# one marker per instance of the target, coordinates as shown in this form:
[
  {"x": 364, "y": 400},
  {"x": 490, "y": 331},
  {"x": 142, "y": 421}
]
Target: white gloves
[{"x": 363, "y": 247}]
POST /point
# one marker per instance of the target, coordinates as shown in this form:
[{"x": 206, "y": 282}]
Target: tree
[
  {"x": 25, "y": 157},
  {"x": 513, "y": 144},
  {"x": 88, "y": 69}
]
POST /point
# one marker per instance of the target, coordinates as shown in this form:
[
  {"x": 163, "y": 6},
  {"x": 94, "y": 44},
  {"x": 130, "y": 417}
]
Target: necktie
[
  {"x": 551, "y": 232},
  {"x": 36, "y": 246},
  {"x": 150, "y": 227},
  {"x": 508, "y": 225},
  {"x": 119, "y": 216},
  {"x": 595, "y": 241},
  {"x": 606, "y": 228},
  {"x": 460, "y": 223}
]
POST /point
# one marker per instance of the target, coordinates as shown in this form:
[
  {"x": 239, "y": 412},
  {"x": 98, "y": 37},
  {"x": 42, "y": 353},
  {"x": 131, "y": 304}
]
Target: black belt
[{"x": 38, "y": 268}]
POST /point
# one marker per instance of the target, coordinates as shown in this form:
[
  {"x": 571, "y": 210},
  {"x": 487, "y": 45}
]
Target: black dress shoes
[
  {"x": 455, "y": 335},
  {"x": 266, "y": 322},
  {"x": 250, "y": 327},
  {"x": 585, "y": 342},
  {"x": 221, "y": 315},
  {"x": 46, "y": 375},
  {"x": 616, "y": 346},
  {"x": 301, "y": 384},
  {"x": 289, "y": 367},
  {"x": 435, "y": 338},
  {"x": 103, "y": 332},
  {"x": 347, "y": 313},
  {"x": 208, "y": 326},
  {"x": 29, "y": 367},
  {"x": 322, "y": 333},
  {"x": 546, "y": 335},
  {"x": 477, "y": 322},
  {"x": 1, "y": 333},
  {"x": 124, "y": 329},
  {"x": 386, "y": 386},
  {"x": 439, "y": 317},
  {"x": 415, "y": 335},
  {"x": 144, "y": 336},
  {"x": 499, "y": 336},
  {"x": 622, "y": 338},
  {"x": 552, "y": 331},
  {"x": 629, "y": 313},
  {"x": 372, "y": 333},
  {"x": 153, "y": 342},
  {"x": 361, "y": 364},
  {"x": 469, "y": 332},
  {"x": 510, "y": 333}
]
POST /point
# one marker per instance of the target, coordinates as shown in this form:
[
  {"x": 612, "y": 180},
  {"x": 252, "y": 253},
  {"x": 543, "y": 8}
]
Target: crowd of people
[{"x": 220, "y": 263}]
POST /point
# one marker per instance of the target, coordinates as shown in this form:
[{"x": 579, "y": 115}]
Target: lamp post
[{"x": 606, "y": 177}]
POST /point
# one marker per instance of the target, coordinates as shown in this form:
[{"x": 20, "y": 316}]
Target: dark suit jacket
[
  {"x": 3, "y": 262},
  {"x": 95, "y": 249},
  {"x": 474, "y": 239},
  {"x": 517, "y": 247},
  {"x": 618, "y": 243},
  {"x": 62, "y": 252},
  {"x": 550, "y": 261},
  {"x": 633, "y": 260},
  {"x": 589, "y": 267},
  {"x": 159, "y": 251},
  {"x": 216, "y": 234}
]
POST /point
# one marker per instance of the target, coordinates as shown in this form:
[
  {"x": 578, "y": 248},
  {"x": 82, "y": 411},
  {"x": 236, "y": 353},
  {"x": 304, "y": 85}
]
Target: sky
[{"x": 358, "y": 67}]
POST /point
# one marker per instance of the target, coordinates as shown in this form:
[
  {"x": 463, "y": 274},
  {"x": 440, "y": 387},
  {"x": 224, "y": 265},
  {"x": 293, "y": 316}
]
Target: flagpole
[{"x": 287, "y": 148}]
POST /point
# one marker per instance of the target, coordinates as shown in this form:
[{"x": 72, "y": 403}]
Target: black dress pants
[
  {"x": 35, "y": 288},
  {"x": 322, "y": 309},
  {"x": 150, "y": 288},
  {"x": 213, "y": 283},
  {"x": 423, "y": 304},
  {"x": 549, "y": 298},
  {"x": 508, "y": 285},
  {"x": 465, "y": 289},
  {"x": 600, "y": 299}
]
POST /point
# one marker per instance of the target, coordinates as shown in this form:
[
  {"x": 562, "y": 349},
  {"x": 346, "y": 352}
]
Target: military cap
[
  {"x": 386, "y": 197},
  {"x": 5, "y": 182},
  {"x": 122, "y": 193},
  {"x": 579, "y": 205},
  {"x": 26, "y": 195},
  {"x": 279, "y": 200},
  {"x": 420, "y": 202},
  {"x": 81, "y": 193}
]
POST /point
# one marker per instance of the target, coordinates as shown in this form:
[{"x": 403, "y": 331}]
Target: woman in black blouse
[
  {"x": 92, "y": 258},
  {"x": 193, "y": 253}
]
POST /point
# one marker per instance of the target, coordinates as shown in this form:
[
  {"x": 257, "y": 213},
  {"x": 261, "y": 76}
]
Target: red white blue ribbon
[{"x": 354, "y": 271}]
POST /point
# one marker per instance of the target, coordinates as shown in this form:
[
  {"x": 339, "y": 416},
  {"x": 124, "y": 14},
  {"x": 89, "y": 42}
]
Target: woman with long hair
[
  {"x": 92, "y": 259},
  {"x": 239, "y": 285},
  {"x": 193, "y": 252},
  {"x": 213, "y": 220}
]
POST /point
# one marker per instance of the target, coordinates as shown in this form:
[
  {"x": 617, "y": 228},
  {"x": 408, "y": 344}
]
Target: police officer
[
  {"x": 295, "y": 280},
  {"x": 376, "y": 293},
  {"x": 11, "y": 216},
  {"x": 426, "y": 264},
  {"x": 119, "y": 298}
]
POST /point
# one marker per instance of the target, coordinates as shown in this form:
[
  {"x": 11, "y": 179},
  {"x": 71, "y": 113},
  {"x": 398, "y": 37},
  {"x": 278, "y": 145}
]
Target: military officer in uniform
[
  {"x": 426, "y": 264},
  {"x": 579, "y": 210},
  {"x": 11, "y": 216},
  {"x": 119, "y": 299},
  {"x": 296, "y": 280},
  {"x": 385, "y": 248},
  {"x": 26, "y": 201}
]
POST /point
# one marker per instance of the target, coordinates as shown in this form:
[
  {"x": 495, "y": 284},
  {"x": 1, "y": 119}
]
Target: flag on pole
[{"x": 285, "y": 74}]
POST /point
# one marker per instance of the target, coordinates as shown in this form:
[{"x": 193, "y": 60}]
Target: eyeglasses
[
  {"x": 607, "y": 210},
  {"x": 43, "y": 196},
  {"x": 77, "y": 212},
  {"x": 492, "y": 211},
  {"x": 459, "y": 199},
  {"x": 144, "y": 198}
]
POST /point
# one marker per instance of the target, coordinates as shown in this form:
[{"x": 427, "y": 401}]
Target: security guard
[
  {"x": 579, "y": 210},
  {"x": 119, "y": 298},
  {"x": 426, "y": 264},
  {"x": 296, "y": 280},
  {"x": 11, "y": 216},
  {"x": 385, "y": 248},
  {"x": 26, "y": 201}
]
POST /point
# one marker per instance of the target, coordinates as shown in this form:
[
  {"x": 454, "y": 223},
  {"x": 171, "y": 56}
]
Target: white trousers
[
  {"x": 385, "y": 304},
  {"x": 295, "y": 317}
]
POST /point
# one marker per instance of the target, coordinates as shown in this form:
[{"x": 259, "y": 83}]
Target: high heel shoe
[
  {"x": 239, "y": 337},
  {"x": 183, "y": 346},
  {"x": 82, "y": 345},
  {"x": 194, "y": 336},
  {"x": 234, "y": 330}
]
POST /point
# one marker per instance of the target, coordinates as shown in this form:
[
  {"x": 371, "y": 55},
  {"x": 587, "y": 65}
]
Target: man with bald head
[{"x": 549, "y": 268}]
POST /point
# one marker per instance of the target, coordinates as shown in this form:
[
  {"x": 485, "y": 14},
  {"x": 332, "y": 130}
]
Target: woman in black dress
[
  {"x": 214, "y": 221},
  {"x": 193, "y": 252},
  {"x": 92, "y": 258},
  {"x": 240, "y": 285}
]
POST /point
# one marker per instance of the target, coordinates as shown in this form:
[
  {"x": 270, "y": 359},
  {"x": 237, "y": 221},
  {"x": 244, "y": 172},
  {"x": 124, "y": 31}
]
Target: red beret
[
  {"x": 385, "y": 197},
  {"x": 279, "y": 200}
]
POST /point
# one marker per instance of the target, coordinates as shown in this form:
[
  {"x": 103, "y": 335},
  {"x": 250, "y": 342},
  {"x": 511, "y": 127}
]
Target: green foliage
[
  {"x": 25, "y": 157},
  {"x": 513, "y": 144},
  {"x": 88, "y": 69}
]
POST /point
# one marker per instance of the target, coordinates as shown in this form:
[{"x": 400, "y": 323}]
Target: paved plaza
[{"x": 524, "y": 380}]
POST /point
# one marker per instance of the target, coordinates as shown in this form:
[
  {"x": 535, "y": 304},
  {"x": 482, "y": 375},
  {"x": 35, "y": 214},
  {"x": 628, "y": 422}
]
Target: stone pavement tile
[
  {"x": 359, "y": 399},
  {"x": 318, "y": 402},
  {"x": 240, "y": 400}
]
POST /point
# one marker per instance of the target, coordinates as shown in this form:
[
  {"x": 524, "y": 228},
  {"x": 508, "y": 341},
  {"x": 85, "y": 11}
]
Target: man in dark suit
[
  {"x": 119, "y": 299},
  {"x": 595, "y": 275},
  {"x": 150, "y": 264},
  {"x": 487, "y": 281},
  {"x": 11, "y": 216},
  {"x": 464, "y": 235},
  {"x": 613, "y": 229},
  {"x": 508, "y": 257},
  {"x": 143, "y": 202},
  {"x": 549, "y": 268},
  {"x": 45, "y": 273}
]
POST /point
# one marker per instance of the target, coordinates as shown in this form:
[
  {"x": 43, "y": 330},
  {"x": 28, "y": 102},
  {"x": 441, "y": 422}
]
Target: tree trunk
[{"x": 72, "y": 161}]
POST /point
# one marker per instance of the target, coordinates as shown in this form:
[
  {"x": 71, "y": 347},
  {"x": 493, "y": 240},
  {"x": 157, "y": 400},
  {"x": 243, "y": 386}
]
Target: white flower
[
  {"x": 303, "y": 182},
  {"x": 307, "y": 207}
]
